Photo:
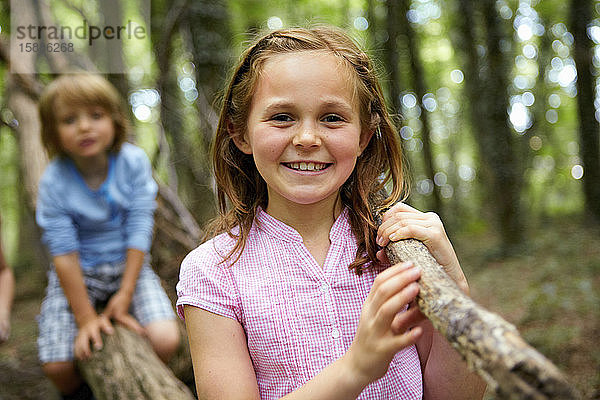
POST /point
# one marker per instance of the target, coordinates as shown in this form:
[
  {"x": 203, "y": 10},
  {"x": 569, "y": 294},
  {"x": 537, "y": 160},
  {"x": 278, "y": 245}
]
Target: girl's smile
[
  {"x": 304, "y": 130},
  {"x": 306, "y": 166}
]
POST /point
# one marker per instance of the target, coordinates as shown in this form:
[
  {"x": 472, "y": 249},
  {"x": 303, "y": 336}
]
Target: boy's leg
[
  {"x": 164, "y": 338},
  {"x": 63, "y": 375},
  {"x": 151, "y": 306},
  {"x": 57, "y": 332}
]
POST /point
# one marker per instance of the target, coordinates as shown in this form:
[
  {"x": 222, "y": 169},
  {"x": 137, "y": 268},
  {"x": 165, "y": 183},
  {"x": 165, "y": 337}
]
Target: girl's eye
[
  {"x": 332, "y": 118},
  {"x": 281, "y": 118}
]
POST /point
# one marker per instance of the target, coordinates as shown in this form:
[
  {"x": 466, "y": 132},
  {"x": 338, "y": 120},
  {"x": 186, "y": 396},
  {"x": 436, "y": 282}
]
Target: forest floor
[{"x": 551, "y": 292}]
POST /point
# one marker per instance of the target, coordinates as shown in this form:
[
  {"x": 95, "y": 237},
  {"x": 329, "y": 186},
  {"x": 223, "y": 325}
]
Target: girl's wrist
[{"x": 352, "y": 374}]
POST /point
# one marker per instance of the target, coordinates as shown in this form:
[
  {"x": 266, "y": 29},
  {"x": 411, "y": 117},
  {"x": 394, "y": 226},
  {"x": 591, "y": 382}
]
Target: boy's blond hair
[{"x": 78, "y": 90}]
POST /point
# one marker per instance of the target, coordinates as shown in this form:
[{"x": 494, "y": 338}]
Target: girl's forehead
[
  {"x": 323, "y": 65},
  {"x": 310, "y": 57}
]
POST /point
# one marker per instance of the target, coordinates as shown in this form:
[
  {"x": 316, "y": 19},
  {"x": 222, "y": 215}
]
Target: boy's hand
[
  {"x": 117, "y": 309},
  {"x": 404, "y": 222},
  {"x": 90, "y": 331}
]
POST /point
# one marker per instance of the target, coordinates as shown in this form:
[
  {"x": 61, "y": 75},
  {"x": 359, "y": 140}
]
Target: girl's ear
[
  {"x": 238, "y": 139},
  {"x": 367, "y": 134},
  {"x": 365, "y": 138}
]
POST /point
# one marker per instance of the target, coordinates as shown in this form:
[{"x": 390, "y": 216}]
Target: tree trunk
[
  {"x": 490, "y": 345},
  {"x": 127, "y": 368},
  {"x": 581, "y": 17},
  {"x": 486, "y": 85},
  {"x": 498, "y": 143},
  {"x": 418, "y": 75},
  {"x": 391, "y": 54}
]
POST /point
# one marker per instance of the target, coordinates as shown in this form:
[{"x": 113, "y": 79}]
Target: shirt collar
[{"x": 277, "y": 229}]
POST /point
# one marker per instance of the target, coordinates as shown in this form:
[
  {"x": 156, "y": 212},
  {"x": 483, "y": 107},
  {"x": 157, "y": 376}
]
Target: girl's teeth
[{"x": 303, "y": 166}]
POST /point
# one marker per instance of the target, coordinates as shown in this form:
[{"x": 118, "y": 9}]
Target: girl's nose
[{"x": 306, "y": 136}]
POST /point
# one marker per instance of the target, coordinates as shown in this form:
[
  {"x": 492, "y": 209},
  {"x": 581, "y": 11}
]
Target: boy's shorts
[{"x": 56, "y": 322}]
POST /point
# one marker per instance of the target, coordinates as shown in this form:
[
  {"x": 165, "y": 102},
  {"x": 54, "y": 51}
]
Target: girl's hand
[
  {"x": 117, "y": 309},
  {"x": 404, "y": 222},
  {"x": 384, "y": 327},
  {"x": 90, "y": 331}
]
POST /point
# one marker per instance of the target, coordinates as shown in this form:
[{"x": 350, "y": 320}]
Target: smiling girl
[{"x": 291, "y": 298}]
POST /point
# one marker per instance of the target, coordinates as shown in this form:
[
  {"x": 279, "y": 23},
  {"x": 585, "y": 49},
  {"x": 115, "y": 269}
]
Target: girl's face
[
  {"x": 304, "y": 130},
  {"x": 85, "y": 132}
]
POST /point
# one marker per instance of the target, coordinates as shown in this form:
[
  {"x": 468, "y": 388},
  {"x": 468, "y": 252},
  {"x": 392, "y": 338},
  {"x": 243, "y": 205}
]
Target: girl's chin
[{"x": 309, "y": 198}]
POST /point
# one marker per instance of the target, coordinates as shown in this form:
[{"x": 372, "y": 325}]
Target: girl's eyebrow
[{"x": 278, "y": 105}]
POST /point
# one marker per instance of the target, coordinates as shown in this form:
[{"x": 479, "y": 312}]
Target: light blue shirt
[{"x": 98, "y": 224}]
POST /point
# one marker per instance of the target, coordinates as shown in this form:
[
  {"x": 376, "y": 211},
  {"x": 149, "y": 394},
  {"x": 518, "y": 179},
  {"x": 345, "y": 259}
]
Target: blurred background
[{"x": 497, "y": 107}]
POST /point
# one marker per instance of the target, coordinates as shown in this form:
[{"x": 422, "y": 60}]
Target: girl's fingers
[
  {"x": 405, "y": 222},
  {"x": 407, "y": 320},
  {"x": 408, "y": 338},
  {"x": 390, "y": 295},
  {"x": 394, "y": 306}
]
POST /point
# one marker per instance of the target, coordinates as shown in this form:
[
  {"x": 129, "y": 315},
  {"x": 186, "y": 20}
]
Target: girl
[
  {"x": 273, "y": 303},
  {"x": 95, "y": 204}
]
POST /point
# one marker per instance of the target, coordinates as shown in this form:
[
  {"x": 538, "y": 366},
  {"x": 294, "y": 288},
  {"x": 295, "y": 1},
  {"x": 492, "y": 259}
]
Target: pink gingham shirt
[{"x": 298, "y": 317}]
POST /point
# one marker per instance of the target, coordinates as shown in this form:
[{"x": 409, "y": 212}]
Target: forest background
[{"x": 497, "y": 108}]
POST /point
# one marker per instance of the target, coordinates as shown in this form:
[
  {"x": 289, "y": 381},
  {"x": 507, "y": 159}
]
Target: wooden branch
[
  {"x": 127, "y": 368},
  {"x": 490, "y": 345}
]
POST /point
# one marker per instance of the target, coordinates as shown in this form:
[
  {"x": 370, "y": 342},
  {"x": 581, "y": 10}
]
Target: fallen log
[
  {"x": 491, "y": 346},
  {"x": 127, "y": 368}
]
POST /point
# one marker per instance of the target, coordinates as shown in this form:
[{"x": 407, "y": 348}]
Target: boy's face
[{"x": 85, "y": 132}]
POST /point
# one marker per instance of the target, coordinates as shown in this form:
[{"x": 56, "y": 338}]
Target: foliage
[{"x": 172, "y": 89}]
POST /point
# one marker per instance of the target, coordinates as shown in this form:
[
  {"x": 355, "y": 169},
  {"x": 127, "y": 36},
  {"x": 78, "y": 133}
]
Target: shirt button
[
  {"x": 335, "y": 333},
  {"x": 324, "y": 288}
]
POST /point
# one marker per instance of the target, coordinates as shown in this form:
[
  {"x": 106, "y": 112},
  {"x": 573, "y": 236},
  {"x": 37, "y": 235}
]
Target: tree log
[
  {"x": 490, "y": 345},
  {"x": 127, "y": 368}
]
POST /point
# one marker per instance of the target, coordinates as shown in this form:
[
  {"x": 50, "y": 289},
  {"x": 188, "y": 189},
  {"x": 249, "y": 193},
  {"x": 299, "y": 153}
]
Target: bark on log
[
  {"x": 490, "y": 345},
  {"x": 127, "y": 368}
]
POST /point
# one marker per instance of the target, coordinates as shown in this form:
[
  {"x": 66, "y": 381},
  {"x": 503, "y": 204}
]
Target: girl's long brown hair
[{"x": 241, "y": 189}]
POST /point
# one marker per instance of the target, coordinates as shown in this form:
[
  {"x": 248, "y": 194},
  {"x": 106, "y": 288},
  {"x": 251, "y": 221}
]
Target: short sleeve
[
  {"x": 59, "y": 231},
  {"x": 207, "y": 283}
]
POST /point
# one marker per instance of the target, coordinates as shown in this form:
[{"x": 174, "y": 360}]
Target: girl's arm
[
  {"x": 220, "y": 353},
  {"x": 89, "y": 322},
  {"x": 445, "y": 374},
  {"x": 222, "y": 365}
]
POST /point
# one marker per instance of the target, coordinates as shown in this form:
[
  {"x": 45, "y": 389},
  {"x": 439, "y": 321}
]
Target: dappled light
[{"x": 496, "y": 105}]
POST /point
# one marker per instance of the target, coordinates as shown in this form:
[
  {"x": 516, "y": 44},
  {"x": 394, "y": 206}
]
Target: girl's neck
[
  {"x": 311, "y": 221},
  {"x": 94, "y": 170}
]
